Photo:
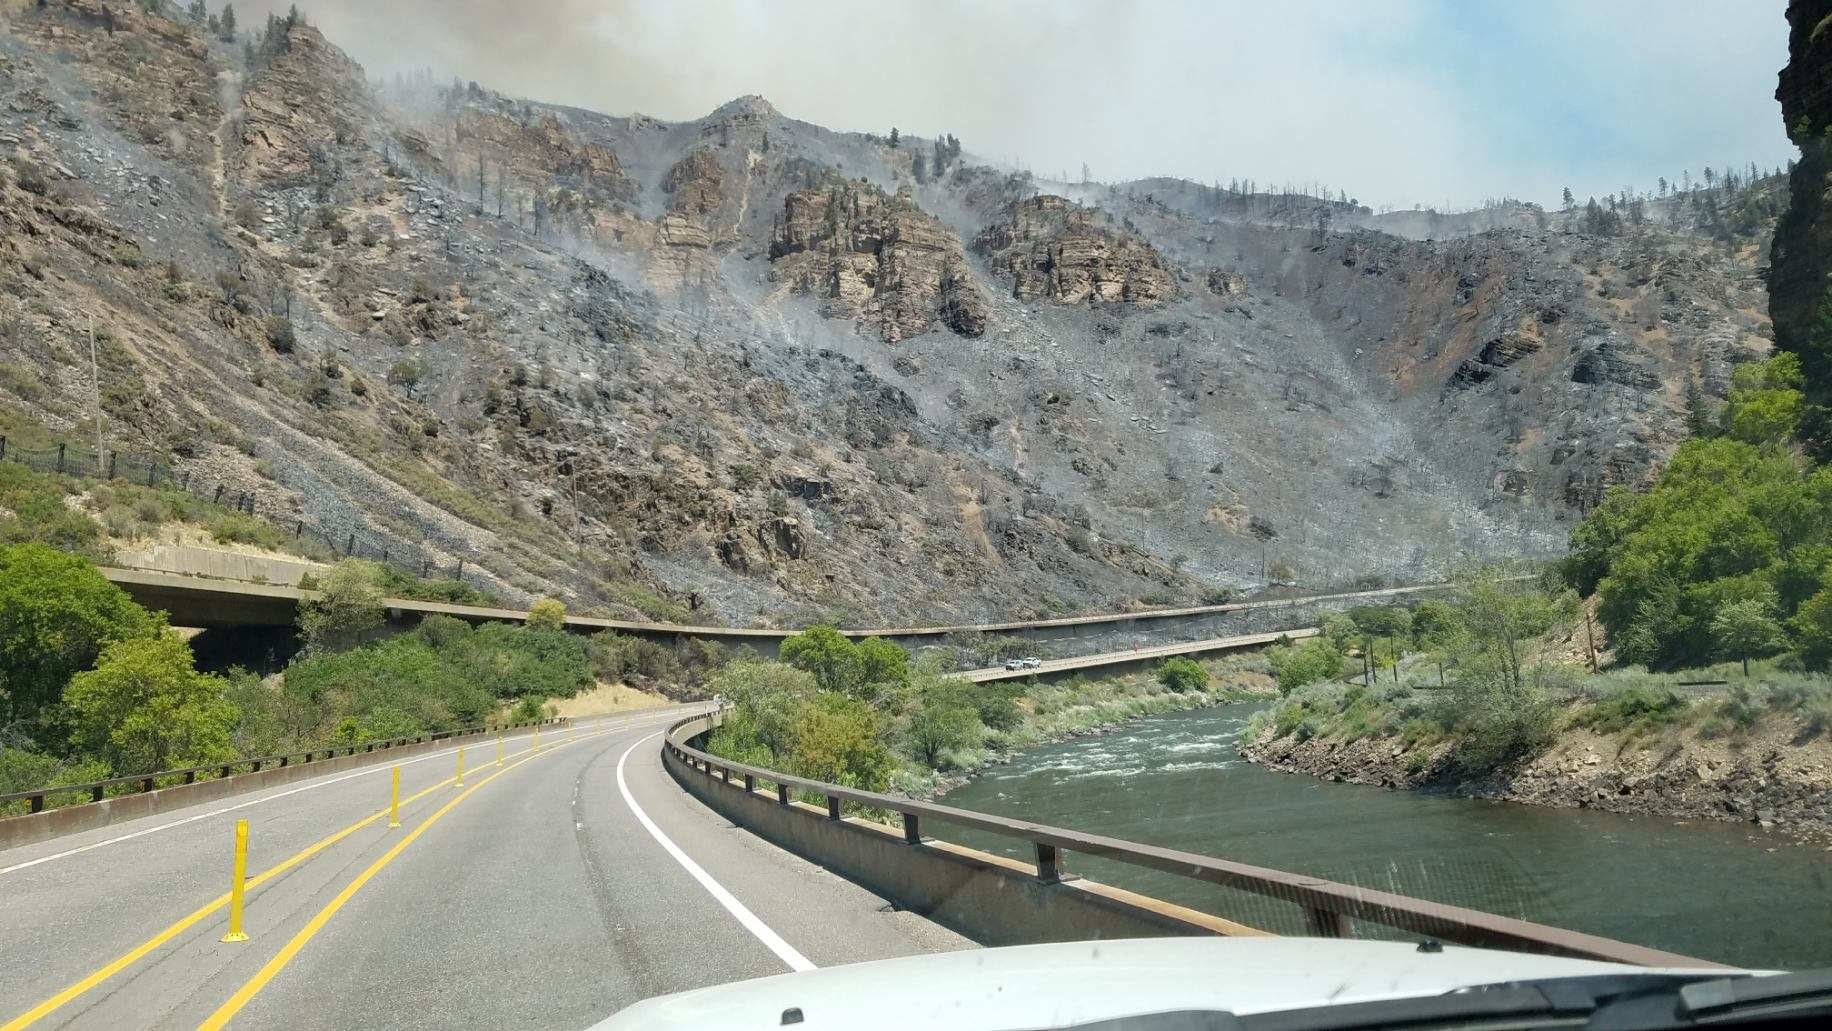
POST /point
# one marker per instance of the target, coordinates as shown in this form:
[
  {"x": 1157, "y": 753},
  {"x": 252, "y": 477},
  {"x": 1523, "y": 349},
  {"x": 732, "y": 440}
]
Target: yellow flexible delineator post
[
  {"x": 537, "y": 737},
  {"x": 394, "y": 800},
  {"x": 499, "y": 749},
  {"x": 460, "y": 782},
  {"x": 238, "y": 875}
]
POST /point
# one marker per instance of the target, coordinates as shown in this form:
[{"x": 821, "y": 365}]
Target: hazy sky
[{"x": 1396, "y": 101}]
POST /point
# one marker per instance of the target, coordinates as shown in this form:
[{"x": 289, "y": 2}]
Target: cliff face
[
  {"x": 637, "y": 363},
  {"x": 1057, "y": 250},
  {"x": 876, "y": 259},
  {"x": 1800, "y": 260},
  {"x": 309, "y": 102}
]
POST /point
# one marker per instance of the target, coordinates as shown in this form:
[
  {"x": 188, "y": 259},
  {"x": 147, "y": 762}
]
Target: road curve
[{"x": 534, "y": 897}]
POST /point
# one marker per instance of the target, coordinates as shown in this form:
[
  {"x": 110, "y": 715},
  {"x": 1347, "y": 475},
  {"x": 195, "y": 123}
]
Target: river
[{"x": 1722, "y": 891}]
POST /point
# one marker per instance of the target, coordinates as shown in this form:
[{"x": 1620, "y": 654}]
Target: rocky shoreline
[{"x": 1766, "y": 778}]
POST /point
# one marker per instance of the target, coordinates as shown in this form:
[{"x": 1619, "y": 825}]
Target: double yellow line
[{"x": 285, "y": 955}]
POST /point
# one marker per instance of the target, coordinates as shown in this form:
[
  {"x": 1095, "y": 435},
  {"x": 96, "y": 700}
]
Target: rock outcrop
[
  {"x": 879, "y": 260},
  {"x": 541, "y": 152},
  {"x": 1800, "y": 258},
  {"x": 1056, "y": 249},
  {"x": 310, "y": 98}
]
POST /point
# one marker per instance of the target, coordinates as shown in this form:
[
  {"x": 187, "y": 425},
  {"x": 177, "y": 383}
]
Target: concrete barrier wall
[
  {"x": 990, "y": 899},
  {"x": 216, "y": 563},
  {"x": 72, "y": 819}
]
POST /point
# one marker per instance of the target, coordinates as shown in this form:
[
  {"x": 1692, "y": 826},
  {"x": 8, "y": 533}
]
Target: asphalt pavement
[{"x": 548, "y": 892}]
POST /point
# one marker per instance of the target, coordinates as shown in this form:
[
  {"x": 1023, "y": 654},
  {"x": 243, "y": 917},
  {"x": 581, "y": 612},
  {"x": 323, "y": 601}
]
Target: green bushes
[
  {"x": 145, "y": 707},
  {"x": 441, "y": 675},
  {"x": 863, "y": 669},
  {"x": 57, "y": 614},
  {"x": 1295, "y": 666},
  {"x": 1637, "y": 709},
  {"x": 32, "y": 509},
  {"x": 1182, "y": 674}
]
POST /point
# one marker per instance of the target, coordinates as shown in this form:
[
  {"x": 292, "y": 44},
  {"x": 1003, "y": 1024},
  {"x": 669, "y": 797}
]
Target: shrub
[
  {"x": 1295, "y": 666},
  {"x": 547, "y": 614},
  {"x": 836, "y": 740},
  {"x": 940, "y": 729},
  {"x": 347, "y": 609},
  {"x": 1181, "y": 674},
  {"x": 1638, "y": 709}
]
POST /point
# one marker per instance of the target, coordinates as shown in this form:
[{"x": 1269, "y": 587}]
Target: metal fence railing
[
  {"x": 337, "y": 541},
  {"x": 35, "y": 799},
  {"x": 1330, "y": 909}
]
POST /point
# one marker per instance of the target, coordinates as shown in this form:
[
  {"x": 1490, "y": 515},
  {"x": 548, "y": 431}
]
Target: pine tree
[
  {"x": 197, "y": 12},
  {"x": 920, "y": 168},
  {"x": 227, "y": 21},
  {"x": 1663, "y": 185},
  {"x": 1568, "y": 198},
  {"x": 894, "y": 137}
]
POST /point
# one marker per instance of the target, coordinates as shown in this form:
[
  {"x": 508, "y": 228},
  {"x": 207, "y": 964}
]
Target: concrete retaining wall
[
  {"x": 191, "y": 560},
  {"x": 71, "y": 819},
  {"x": 990, "y": 899}
]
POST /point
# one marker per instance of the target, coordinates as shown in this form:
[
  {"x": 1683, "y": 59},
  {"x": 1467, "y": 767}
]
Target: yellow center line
[
  {"x": 138, "y": 952},
  {"x": 253, "y": 985}
]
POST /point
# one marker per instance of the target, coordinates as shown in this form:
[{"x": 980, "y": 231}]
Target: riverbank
[
  {"x": 1086, "y": 707},
  {"x": 1774, "y": 773}
]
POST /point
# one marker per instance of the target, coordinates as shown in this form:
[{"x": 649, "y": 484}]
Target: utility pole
[
  {"x": 1590, "y": 634},
  {"x": 95, "y": 386}
]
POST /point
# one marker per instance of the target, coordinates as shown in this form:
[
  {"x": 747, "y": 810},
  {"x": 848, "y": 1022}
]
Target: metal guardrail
[
  {"x": 1330, "y": 908},
  {"x": 98, "y": 789}
]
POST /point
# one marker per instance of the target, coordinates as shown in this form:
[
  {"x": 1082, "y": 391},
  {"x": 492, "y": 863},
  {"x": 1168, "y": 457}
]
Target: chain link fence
[{"x": 346, "y": 541}]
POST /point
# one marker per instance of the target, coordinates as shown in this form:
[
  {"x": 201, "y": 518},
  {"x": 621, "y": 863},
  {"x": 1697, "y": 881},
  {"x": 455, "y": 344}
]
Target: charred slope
[{"x": 784, "y": 371}]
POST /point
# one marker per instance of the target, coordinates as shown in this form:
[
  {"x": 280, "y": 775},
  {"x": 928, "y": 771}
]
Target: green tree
[
  {"x": 894, "y": 137},
  {"x": 56, "y": 615},
  {"x": 1182, "y": 674},
  {"x": 864, "y": 670},
  {"x": 836, "y": 739},
  {"x": 145, "y": 707},
  {"x": 227, "y": 23},
  {"x": 347, "y": 608},
  {"x": 1746, "y": 628},
  {"x": 548, "y": 614},
  {"x": 938, "y": 730},
  {"x": 1813, "y": 624}
]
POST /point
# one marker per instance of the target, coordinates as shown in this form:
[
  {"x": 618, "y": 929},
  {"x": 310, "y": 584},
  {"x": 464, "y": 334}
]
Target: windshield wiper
[{"x": 1746, "y": 998}]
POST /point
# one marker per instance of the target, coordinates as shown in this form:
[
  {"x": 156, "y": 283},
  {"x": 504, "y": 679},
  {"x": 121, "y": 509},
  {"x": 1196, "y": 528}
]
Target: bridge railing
[
  {"x": 1330, "y": 908},
  {"x": 97, "y": 790}
]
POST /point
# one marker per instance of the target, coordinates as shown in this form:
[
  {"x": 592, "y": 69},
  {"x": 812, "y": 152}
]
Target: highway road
[
  {"x": 988, "y": 674},
  {"x": 547, "y": 892}
]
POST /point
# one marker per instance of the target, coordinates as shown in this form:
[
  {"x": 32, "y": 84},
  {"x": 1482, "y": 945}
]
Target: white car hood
[{"x": 1043, "y": 986}]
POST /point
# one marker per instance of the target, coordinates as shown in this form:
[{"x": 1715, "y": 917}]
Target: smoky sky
[{"x": 1400, "y": 102}]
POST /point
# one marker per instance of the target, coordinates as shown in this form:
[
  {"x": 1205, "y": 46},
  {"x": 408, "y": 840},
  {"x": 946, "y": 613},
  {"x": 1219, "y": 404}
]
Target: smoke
[{"x": 1399, "y": 102}]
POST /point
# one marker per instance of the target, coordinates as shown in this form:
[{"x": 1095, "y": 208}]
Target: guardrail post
[
  {"x": 782, "y": 794},
  {"x": 750, "y": 783},
  {"x": 95, "y": 793},
  {"x": 394, "y": 799},
  {"x": 146, "y": 784},
  {"x": 238, "y": 873},
  {"x": 1325, "y": 923},
  {"x": 1047, "y": 869},
  {"x": 833, "y": 807},
  {"x": 225, "y": 773},
  {"x": 2, "y": 445},
  {"x": 912, "y": 834},
  {"x": 37, "y": 802},
  {"x": 190, "y": 776},
  {"x": 60, "y": 458}
]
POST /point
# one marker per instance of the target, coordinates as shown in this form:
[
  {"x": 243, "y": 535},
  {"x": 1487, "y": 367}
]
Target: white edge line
[
  {"x": 327, "y": 782},
  {"x": 771, "y": 940}
]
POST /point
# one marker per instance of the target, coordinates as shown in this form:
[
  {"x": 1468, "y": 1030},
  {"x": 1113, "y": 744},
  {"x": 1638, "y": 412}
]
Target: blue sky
[{"x": 1396, "y": 101}]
